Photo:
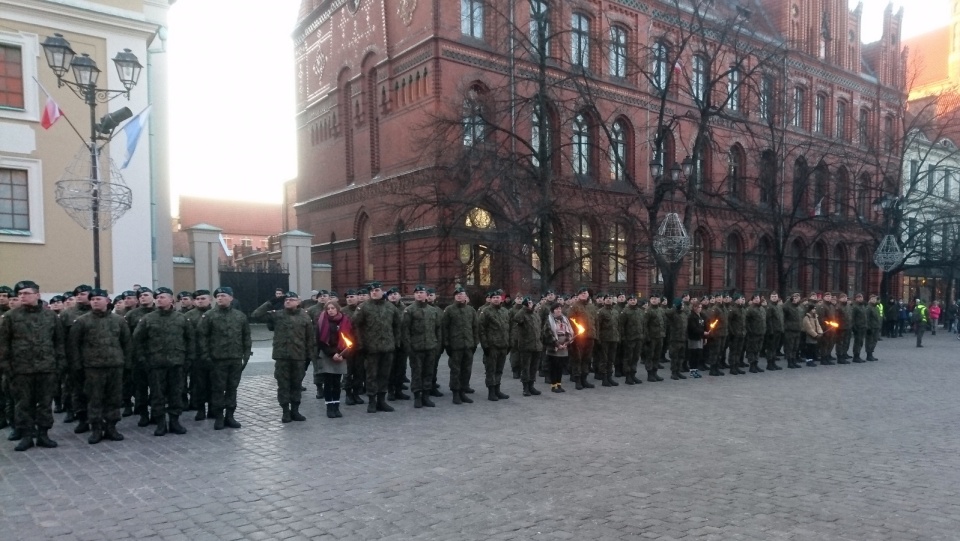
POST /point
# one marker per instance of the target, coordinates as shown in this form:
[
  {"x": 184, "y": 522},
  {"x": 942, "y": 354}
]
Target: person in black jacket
[{"x": 696, "y": 332}]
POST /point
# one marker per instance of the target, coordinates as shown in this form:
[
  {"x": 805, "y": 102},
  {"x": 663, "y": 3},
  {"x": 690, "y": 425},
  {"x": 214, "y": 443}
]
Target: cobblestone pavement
[{"x": 854, "y": 452}]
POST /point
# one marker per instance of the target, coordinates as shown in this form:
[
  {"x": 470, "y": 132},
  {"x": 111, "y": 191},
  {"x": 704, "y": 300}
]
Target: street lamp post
[
  {"x": 61, "y": 58},
  {"x": 888, "y": 255}
]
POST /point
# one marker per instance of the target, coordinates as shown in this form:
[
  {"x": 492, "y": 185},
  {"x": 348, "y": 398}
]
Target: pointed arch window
[
  {"x": 660, "y": 69},
  {"x": 618, "y": 52},
  {"x": 733, "y": 262},
  {"x": 581, "y": 145},
  {"x": 540, "y": 28},
  {"x": 699, "y": 82},
  {"x": 471, "y": 18},
  {"x": 583, "y": 252},
  {"x": 618, "y": 151},
  {"x": 617, "y": 262},
  {"x": 580, "y": 41},
  {"x": 696, "y": 260},
  {"x": 474, "y": 126}
]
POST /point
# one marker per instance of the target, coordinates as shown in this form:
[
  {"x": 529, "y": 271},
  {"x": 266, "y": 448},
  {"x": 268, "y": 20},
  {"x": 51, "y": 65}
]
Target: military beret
[
  {"x": 199, "y": 292},
  {"x": 164, "y": 290},
  {"x": 118, "y": 299},
  {"x": 375, "y": 285},
  {"x": 184, "y": 294},
  {"x": 143, "y": 290},
  {"x": 631, "y": 296},
  {"x": 419, "y": 287},
  {"x": 549, "y": 292},
  {"x": 737, "y": 296},
  {"x": 81, "y": 288},
  {"x": 459, "y": 289},
  {"x": 643, "y": 302},
  {"x": 129, "y": 293},
  {"x": 99, "y": 292},
  {"x": 56, "y": 298},
  {"x": 431, "y": 290},
  {"x": 583, "y": 290},
  {"x": 332, "y": 294},
  {"x": 25, "y": 284},
  {"x": 351, "y": 292},
  {"x": 363, "y": 291},
  {"x": 291, "y": 295},
  {"x": 68, "y": 295},
  {"x": 6, "y": 289},
  {"x": 324, "y": 292},
  {"x": 393, "y": 290},
  {"x": 226, "y": 290},
  {"x": 498, "y": 292}
]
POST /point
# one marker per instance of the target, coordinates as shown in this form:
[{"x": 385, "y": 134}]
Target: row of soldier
[{"x": 155, "y": 352}]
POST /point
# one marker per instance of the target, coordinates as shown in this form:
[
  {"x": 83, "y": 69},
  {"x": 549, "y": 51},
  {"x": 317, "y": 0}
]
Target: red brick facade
[{"x": 371, "y": 72}]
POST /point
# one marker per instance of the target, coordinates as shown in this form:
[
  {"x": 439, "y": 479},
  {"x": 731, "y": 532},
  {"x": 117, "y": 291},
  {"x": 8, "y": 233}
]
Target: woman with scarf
[
  {"x": 557, "y": 336},
  {"x": 333, "y": 333}
]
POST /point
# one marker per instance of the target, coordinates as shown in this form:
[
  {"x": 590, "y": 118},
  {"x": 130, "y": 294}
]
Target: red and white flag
[{"x": 51, "y": 113}]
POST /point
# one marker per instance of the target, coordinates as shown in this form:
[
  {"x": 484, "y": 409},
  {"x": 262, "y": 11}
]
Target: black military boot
[
  {"x": 827, "y": 362},
  {"x": 144, "y": 419},
  {"x": 357, "y": 397},
  {"x": 161, "y": 429},
  {"x": 70, "y": 417},
  {"x": 350, "y": 400},
  {"x": 127, "y": 411},
  {"x": 57, "y": 405},
  {"x": 870, "y": 358},
  {"x": 230, "y": 421},
  {"x": 173, "y": 424},
  {"x": 3, "y": 421},
  {"x": 606, "y": 381},
  {"x": 715, "y": 371},
  {"x": 417, "y": 400},
  {"x": 586, "y": 383},
  {"x": 43, "y": 440},
  {"x": 295, "y": 412},
  {"x": 675, "y": 376},
  {"x": 15, "y": 434},
  {"x": 526, "y": 389},
  {"x": 26, "y": 442},
  {"x": 382, "y": 403},
  {"x": 111, "y": 432},
  {"x": 201, "y": 412},
  {"x": 753, "y": 368},
  {"x": 858, "y": 360},
  {"x": 516, "y": 374},
  {"x": 371, "y": 404},
  {"x": 96, "y": 434},
  {"x": 770, "y": 366},
  {"x": 577, "y": 383},
  {"x": 456, "y": 397},
  {"x": 501, "y": 396},
  {"x": 391, "y": 393},
  {"x": 491, "y": 396},
  {"x": 210, "y": 413},
  {"x": 533, "y": 390},
  {"x": 219, "y": 423},
  {"x": 425, "y": 398},
  {"x": 83, "y": 426},
  {"x": 612, "y": 382},
  {"x": 843, "y": 360},
  {"x": 651, "y": 376},
  {"x": 464, "y": 398},
  {"x": 435, "y": 391},
  {"x": 400, "y": 395}
]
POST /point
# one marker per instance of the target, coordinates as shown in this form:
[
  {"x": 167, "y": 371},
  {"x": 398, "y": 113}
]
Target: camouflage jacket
[
  {"x": 460, "y": 327},
  {"x": 420, "y": 327},
  {"x": 494, "y": 325},
  {"x": 100, "y": 340},
  {"x": 294, "y": 334},
  {"x": 31, "y": 341},
  {"x": 164, "y": 338},
  {"x": 377, "y": 324},
  {"x": 223, "y": 334}
]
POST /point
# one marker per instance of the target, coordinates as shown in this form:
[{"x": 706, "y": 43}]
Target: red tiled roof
[
  {"x": 927, "y": 60},
  {"x": 234, "y": 217}
]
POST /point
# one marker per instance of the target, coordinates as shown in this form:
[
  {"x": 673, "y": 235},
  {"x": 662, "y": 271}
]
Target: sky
[{"x": 233, "y": 101}]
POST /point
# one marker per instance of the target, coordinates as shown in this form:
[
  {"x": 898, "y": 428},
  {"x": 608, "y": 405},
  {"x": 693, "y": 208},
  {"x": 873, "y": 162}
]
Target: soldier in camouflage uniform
[
  {"x": 294, "y": 343},
  {"x": 353, "y": 386},
  {"x": 224, "y": 339},
  {"x": 824, "y": 314},
  {"x": 200, "y": 371},
  {"x": 714, "y": 319},
  {"x": 736, "y": 320},
  {"x": 842, "y": 315},
  {"x": 377, "y": 324},
  {"x": 792, "y": 319},
  {"x": 527, "y": 332},
  {"x": 494, "y": 325},
  {"x": 756, "y": 323},
  {"x": 677, "y": 331},
  {"x": 460, "y": 334},
  {"x": 137, "y": 381},
  {"x": 100, "y": 344},
  {"x": 165, "y": 340},
  {"x": 421, "y": 333},
  {"x": 774, "y": 331},
  {"x": 398, "y": 371},
  {"x": 435, "y": 354},
  {"x": 6, "y": 395},
  {"x": 608, "y": 332},
  {"x": 32, "y": 353},
  {"x": 77, "y": 409},
  {"x": 874, "y": 323},
  {"x": 654, "y": 330},
  {"x": 858, "y": 318},
  {"x": 582, "y": 313},
  {"x": 631, "y": 338}
]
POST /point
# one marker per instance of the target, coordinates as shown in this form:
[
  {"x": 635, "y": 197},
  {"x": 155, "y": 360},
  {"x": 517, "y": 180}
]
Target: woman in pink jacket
[{"x": 934, "y": 316}]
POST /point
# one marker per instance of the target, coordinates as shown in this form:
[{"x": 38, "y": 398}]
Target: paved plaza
[{"x": 857, "y": 452}]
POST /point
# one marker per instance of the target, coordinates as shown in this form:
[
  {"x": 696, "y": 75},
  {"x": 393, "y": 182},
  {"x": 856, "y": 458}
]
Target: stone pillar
[
  {"x": 295, "y": 254},
  {"x": 205, "y": 250}
]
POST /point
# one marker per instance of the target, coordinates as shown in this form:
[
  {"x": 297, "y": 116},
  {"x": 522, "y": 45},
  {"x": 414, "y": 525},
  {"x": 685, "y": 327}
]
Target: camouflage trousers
[
  {"x": 224, "y": 380},
  {"x": 166, "y": 390},
  {"x": 289, "y": 375},
  {"x": 34, "y": 396},
  {"x": 528, "y": 362},
  {"x": 461, "y": 367},
  {"x": 581, "y": 355},
  {"x": 104, "y": 390},
  {"x": 736, "y": 343},
  {"x": 678, "y": 354},
  {"x": 754, "y": 343},
  {"x": 652, "y": 354},
  {"x": 857, "y": 343},
  {"x": 630, "y": 355},
  {"x": 377, "y": 366},
  {"x": 791, "y": 345},
  {"x": 493, "y": 361},
  {"x": 421, "y": 370}
]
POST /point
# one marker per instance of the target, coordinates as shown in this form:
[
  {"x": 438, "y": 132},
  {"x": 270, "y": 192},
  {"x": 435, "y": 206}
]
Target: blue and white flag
[{"x": 132, "y": 130}]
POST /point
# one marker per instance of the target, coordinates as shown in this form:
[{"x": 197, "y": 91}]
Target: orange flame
[
  {"x": 580, "y": 328},
  {"x": 714, "y": 323},
  {"x": 833, "y": 324},
  {"x": 346, "y": 340}
]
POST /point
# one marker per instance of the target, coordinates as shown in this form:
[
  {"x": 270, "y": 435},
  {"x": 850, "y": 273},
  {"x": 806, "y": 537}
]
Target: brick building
[{"x": 627, "y": 88}]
